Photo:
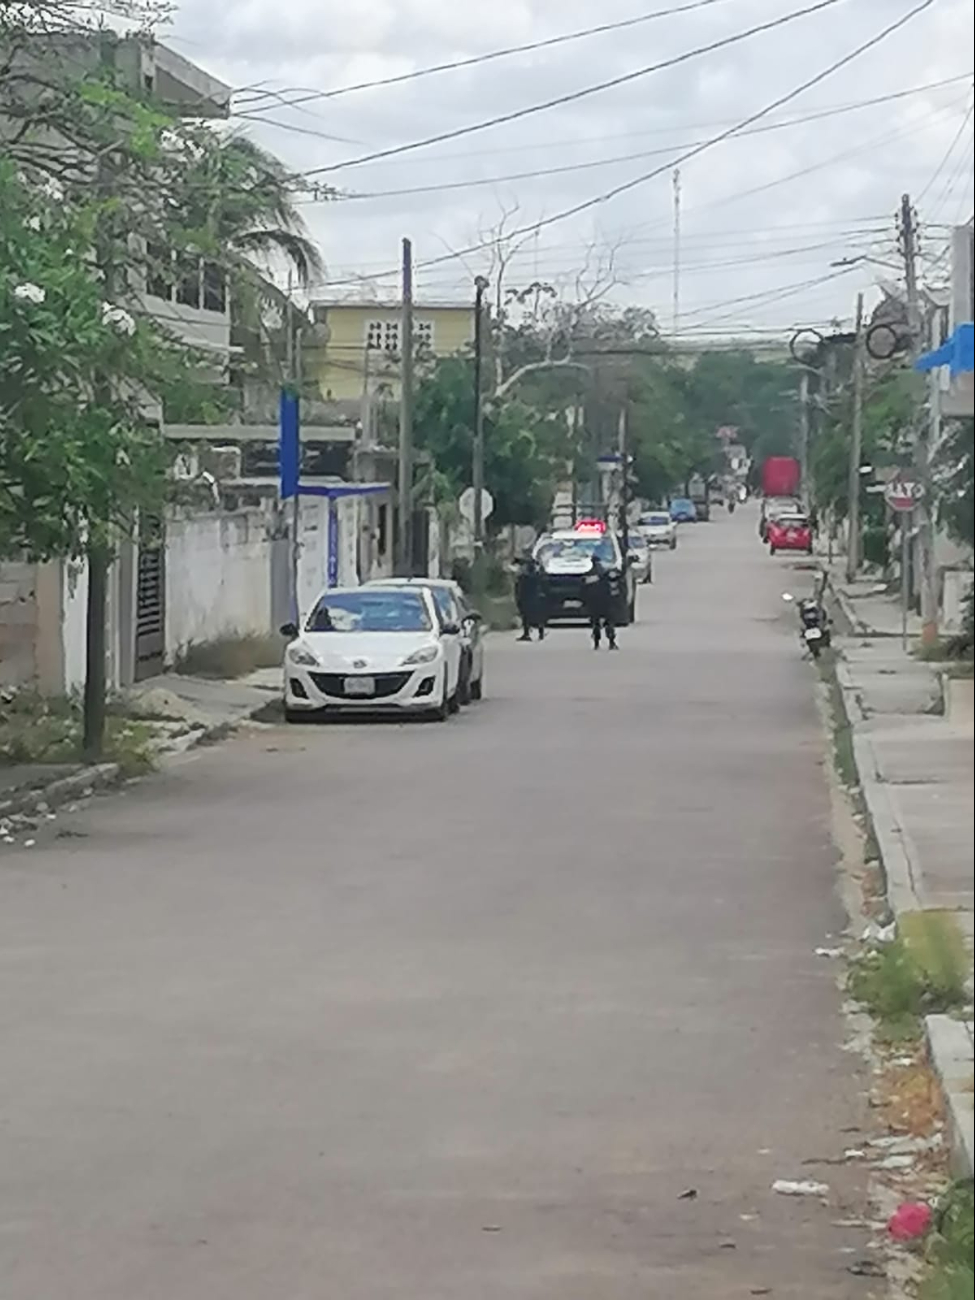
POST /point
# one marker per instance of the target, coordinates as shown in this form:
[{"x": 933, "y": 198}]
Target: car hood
[
  {"x": 655, "y": 530},
  {"x": 364, "y": 651}
]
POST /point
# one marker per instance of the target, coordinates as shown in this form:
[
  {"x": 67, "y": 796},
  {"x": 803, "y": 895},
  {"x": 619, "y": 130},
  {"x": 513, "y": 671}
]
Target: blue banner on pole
[
  {"x": 333, "y": 545},
  {"x": 289, "y": 444}
]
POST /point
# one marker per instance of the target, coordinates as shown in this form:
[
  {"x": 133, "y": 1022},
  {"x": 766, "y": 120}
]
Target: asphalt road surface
[{"x": 452, "y": 1012}]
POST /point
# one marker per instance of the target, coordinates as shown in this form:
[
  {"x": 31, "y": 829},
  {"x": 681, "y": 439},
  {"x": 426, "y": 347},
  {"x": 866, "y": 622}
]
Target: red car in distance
[{"x": 789, "y": 533}]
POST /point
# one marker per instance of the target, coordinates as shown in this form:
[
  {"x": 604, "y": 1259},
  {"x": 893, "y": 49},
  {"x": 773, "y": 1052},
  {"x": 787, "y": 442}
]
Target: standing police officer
[{"x": 602, "y": 589}]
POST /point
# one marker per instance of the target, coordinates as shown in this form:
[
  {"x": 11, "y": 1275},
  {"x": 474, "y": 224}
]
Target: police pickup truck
[{"x": 565, "y": 557}]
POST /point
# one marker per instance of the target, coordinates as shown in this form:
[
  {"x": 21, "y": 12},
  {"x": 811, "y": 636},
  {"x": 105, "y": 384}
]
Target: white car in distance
[
  {"x": 659, "y": 529},
  {"x": 641, "y": 560},
  {"x": 366, "y": 649}
]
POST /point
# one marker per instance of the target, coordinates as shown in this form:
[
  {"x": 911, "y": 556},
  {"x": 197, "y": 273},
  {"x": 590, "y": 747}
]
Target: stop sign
[{"x": 903, "y": 494}]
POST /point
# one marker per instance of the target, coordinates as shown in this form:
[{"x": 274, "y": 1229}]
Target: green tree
[{"x": 521, "y": 445}]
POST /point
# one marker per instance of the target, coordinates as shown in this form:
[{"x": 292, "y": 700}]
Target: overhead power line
[
  {"x": 575, "y": 95},
  {"x": 306, "y": 96},
  {"x": 948, "y": 152},
  {"x": 475, "y": 182},
  {"x": 719, "y": 138}
]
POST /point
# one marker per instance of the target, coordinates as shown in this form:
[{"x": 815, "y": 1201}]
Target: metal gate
[{"x": 150, "y": 604}]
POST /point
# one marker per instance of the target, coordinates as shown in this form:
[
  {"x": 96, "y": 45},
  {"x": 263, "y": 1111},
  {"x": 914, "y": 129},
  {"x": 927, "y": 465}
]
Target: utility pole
[
  {"x": 853, "y": 511},
  {"x": 921, "y": 436},
  {"x": 624, "y": 481},
  {"x": 404, "y": 539},
  {"x": 477, "y": 465},
  {"x": 295, "y": 523},
  {"x": 677, "y": 252},
  {"x": 804, "y": 434}
]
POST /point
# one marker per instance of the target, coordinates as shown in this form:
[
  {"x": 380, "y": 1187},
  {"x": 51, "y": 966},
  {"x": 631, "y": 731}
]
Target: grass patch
[
  {"x": 921, "y": 972},
  {"x": 38, "y": 729},
  {"x": 950, "y": 1248},
  {"x": 844, "y": 759},
  {"x": 230, "y": 656}
]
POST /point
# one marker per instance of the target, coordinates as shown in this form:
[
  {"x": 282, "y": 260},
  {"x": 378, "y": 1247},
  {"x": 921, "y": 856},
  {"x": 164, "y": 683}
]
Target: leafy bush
[
  {"x": 923, "y": 971},
  {"x": 950, "y": 1247}
]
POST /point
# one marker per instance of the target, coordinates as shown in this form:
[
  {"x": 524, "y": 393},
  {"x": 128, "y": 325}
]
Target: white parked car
[
  {"x": 641, "y": 561},
  {"x": 372, "y": 648},
  {"x": 659, "y": 529},
  {"x": 453, "y": 607}
]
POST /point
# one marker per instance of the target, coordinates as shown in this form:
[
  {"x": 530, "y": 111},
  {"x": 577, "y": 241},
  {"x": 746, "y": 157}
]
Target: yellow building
[{"x": 360, "y": 354}]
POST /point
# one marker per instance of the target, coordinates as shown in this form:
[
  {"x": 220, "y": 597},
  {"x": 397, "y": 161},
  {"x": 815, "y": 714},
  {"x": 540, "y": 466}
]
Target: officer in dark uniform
[
  {"x": 602, "y": 589},
  {"x": 530, "y": 599}
]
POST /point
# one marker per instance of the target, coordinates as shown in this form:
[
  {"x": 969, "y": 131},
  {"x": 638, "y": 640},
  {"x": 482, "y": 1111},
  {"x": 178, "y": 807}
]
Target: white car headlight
[
  {"x": 300, "y": 654},
  {"x": 425, "y": 655}
]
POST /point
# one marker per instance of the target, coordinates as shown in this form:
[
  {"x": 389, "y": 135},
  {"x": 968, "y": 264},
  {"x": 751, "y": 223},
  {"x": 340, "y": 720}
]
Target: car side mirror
[
  {"x": 289, "y": 630},
  {"x": 450, "y": 629}
]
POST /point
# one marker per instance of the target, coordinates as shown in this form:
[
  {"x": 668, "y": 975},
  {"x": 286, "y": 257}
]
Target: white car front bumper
[{"x": 413, "y": 689}]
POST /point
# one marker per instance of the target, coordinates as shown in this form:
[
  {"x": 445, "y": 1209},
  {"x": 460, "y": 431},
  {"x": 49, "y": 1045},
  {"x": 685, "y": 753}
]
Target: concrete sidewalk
[
  {"x": 913, "y": 744},
  {"x": 207, "y": 702}
]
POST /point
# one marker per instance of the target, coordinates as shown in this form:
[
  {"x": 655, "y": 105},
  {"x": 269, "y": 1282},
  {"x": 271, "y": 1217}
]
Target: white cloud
[{"x": 855, "y": 165}]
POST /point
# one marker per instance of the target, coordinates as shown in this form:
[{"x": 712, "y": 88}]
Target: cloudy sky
[{"x": 765, "y": 216}]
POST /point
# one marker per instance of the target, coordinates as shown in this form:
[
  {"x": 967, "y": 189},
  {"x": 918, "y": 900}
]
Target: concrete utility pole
[
  {"x": 922, "y": 435},
  {"x": 624, "y": 480},
  {"x": 804, "y": 435},
  {"x": 477, "y": 465},
  {"x": 677, "y": 251},
  {"x": 295, "y": 522},
  {"x": 856, "y": 444},
  {"x": 404, "y": 532}
]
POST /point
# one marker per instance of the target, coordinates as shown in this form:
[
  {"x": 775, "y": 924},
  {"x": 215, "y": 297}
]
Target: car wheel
[
  {"x": 673, "y": 543},
  {"x": 477, "y": 689},
  {"x": 771, "y": 548},
  {"x": 441, "y": 712},
  {"x": 294, "y": 717}
]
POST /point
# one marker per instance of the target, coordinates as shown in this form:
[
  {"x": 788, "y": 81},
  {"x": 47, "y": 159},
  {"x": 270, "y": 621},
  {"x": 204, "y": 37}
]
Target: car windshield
[
  {"x": 562, "y": 548},
  {"x": 682, "y": 503},
  {"x": 792, "y": 521},
  {"x": 655, "y": 521},
  {"x": 370, "y": 611}
]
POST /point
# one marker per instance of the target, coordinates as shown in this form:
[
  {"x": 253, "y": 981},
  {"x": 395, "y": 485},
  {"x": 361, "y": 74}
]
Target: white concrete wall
[
  {"x": 74, "y": 602},
  {"x": 313, "y": 555},
  {"x": 218, "y": 577}
]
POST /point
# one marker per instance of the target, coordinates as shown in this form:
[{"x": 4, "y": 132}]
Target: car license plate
[
  {"x": 360, "y": 686},
  {"x": 573, "y": 604}
]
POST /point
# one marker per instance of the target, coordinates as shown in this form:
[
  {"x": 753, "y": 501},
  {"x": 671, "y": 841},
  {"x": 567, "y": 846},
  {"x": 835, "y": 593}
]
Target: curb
[
  {"x": 97, "y": 777},
  {"x": 949, "y": 1041},
  {"x": 102, "y": 776},
  {"x": 950, "y": 1052}
]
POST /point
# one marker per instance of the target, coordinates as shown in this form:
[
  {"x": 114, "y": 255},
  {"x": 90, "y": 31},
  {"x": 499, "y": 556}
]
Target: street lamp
[{"x": 477, "y": 467}]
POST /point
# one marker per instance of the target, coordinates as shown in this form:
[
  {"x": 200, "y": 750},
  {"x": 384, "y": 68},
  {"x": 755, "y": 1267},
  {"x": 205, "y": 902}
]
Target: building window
[
  {"x": 423, "y": 331},
  {"x": 188, "y": 281},
  {"x": 214, "y": 287},
  {"x": 382, "y": 336}
]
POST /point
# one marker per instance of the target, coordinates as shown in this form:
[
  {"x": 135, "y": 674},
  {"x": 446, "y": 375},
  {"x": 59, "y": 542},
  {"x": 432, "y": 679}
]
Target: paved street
[{"x": 452, "y": 1012}]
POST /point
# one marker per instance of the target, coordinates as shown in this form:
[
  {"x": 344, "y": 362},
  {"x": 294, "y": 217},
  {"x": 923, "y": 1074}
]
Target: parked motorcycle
[{"x": 814, "y": 623}]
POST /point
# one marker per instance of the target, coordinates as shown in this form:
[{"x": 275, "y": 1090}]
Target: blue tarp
[{"x": 957, "y": 353}]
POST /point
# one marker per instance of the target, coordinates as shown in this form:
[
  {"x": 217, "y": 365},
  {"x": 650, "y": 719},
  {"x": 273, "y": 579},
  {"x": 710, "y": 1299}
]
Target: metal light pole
[{"x": 477, "y": 466}]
